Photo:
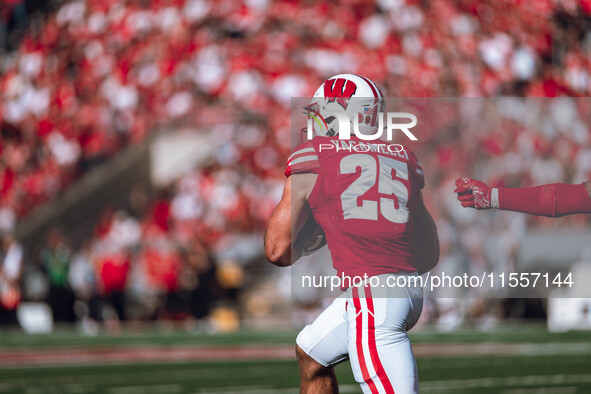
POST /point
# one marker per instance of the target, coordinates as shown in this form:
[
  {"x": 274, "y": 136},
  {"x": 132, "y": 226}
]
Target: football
[{"x": 311, "y": 237}]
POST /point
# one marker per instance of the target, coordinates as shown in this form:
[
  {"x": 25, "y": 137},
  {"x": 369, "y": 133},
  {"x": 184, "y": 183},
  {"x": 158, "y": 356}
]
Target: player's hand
[{"x": 473, "y": 193}]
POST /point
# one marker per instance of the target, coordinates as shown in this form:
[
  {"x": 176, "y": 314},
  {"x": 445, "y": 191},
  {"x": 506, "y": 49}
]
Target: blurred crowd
[
  {"x": 96, "y": 76},
  {"x": 507, "y": 142}
]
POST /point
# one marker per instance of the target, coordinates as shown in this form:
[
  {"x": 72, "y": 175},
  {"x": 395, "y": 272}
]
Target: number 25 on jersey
[{"x": 389, "y": 184}]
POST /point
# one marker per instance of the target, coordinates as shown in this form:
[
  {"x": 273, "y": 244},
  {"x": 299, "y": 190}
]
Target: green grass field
[{"x": 539, "y": 362}]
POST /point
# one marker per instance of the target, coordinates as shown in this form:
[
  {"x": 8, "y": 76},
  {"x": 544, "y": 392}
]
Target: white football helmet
[{"x": 353, "y": 95}]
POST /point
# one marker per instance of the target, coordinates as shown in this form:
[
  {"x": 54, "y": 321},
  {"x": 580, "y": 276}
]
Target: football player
[
  {"x": 556, "y": 199},
  {"x": 367, "y": 199}
]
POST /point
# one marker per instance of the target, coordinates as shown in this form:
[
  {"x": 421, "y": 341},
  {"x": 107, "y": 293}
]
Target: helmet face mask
[{"x": 346, "y": 95}]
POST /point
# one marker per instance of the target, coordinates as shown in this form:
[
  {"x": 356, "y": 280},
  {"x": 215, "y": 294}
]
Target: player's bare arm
[
  {"x": 425, "y": 240},
  {"x": 278, "y": 236},
  {"x": 553, "y": 200}
]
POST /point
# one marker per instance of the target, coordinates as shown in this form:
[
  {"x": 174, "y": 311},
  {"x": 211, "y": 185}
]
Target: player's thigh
[
  {"x": 326, "y": 340},
  {"x": 379, "y": 348},
  {"x": 394, "y": 317}
]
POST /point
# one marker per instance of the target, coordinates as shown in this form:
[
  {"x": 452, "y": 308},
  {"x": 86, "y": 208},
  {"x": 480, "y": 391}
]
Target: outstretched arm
[
  {"x": 293, "y": 204},
  {"x": 425, "y": 240},
  {"x": 557, "y": 199}
]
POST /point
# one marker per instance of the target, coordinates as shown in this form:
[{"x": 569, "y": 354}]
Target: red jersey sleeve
[
  {"x": 303, "y": 160},
  {"x": 416, "y": 170}
]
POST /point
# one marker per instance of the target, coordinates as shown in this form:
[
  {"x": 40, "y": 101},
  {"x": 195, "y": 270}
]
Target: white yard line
[{"x": 505, "y": 381}]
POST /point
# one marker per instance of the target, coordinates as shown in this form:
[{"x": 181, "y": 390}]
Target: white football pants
[{"x": 368, "y": 325}]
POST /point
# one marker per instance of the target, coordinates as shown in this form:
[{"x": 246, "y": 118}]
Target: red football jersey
[{"x": 363, "y": 199}]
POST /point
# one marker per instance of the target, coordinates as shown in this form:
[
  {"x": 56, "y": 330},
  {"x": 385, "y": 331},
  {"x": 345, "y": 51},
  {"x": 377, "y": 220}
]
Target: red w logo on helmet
[{"x": 340, "y": 90}]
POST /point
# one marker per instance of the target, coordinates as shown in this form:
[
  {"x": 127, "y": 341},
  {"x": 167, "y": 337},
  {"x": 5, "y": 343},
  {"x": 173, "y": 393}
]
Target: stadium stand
[{"x": 97, "y": 76}]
